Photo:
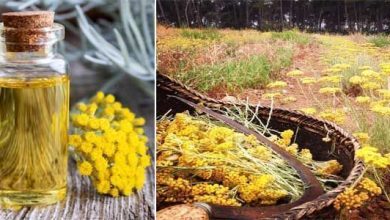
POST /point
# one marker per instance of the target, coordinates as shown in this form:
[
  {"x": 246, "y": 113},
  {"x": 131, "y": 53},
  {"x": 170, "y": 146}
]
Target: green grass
[
  {"x": 291, "y": 36},
  {"x": 250, "y": 73},
  {"x": 380, "y": 136},
  {"x": 284, "y": 58},
  {"x": 207, "y": 34},
  {"x": 253, "y": 72},
  {"x": 380, "y": 40}
]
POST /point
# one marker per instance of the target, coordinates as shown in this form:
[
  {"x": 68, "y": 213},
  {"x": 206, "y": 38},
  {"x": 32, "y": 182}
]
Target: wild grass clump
[
  {"x": 380, "y": 40},
  {"x": 292, "y": 36},
  {"x": 284, "y": 58},
  {"x": 241, "y": 74},
  {"x": 207, "y": 34}
]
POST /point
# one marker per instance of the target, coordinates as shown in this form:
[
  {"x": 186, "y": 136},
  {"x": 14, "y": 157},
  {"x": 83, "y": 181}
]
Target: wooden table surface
[{"x": 82, "y": 201}]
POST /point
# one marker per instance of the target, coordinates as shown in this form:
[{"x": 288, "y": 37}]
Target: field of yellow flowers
[{"x": 343, "y": 79}]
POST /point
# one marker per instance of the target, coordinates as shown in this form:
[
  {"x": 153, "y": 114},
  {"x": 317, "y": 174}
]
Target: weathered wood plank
[{"x": 82, "y": 201}]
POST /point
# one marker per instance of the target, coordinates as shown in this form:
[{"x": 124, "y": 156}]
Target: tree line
[{"x": 342, "y": 16}]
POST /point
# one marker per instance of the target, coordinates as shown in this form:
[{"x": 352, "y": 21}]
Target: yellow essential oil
[
  {"x": 33, "y": 140},
  {"x": 34, "y": 109}
]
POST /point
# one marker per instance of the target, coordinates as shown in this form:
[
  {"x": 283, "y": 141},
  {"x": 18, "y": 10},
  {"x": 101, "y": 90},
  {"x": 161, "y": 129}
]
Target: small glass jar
[{"x": 34, "y": 111}]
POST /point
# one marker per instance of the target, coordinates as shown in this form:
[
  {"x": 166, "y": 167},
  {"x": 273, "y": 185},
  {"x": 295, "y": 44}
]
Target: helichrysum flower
[
  {"x": 288, "y": 99},
  {"x": 85, "y": 168},
  {"x": 199, "y": 161},
  {"x": 110, "y": 145},
  {"x": 372, "y": 157},
  {"x": 353, "y": 198},
  {"x": 335, "y": 115},
  {"x": 308, "y": 80},
  {"x": 370, "y": 85},
  {"x": 330, "y": 167},
  {"x": 385, "y": 93},
  {"x": 356, "y": 80},
  {"x": 329, "y": 90},
  {"x": 277, "y": 84},
  {"x": 309, "y": 111},
  {"x": 362, "y": 136},
  {"x": 363, "y": 99},
  {"x": 342, "y": 66},
  {"x": 295, "y": 73},
  {"x": 380, "y": 109},
  {"x": 370, "y": 74},
  {"x": 274, "y": 95}
]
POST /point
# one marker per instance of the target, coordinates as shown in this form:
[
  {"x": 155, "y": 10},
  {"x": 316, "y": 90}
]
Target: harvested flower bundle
[
  {"x": 109, "y": 145},
  {"x": 200, "y": 160}
]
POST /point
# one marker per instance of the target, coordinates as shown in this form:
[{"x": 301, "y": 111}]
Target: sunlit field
[{"x": 340, "y": 78}]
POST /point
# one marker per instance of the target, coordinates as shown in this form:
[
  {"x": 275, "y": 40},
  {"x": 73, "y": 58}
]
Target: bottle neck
[
  {"x": 41, "y": 54},
  {"x": 29, "y": 45}
]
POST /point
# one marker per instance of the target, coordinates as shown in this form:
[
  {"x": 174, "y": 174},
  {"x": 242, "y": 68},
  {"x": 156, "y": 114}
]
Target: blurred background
[
  {"x": 343, "y": 16},
  {"x": 109, "y": 44}
]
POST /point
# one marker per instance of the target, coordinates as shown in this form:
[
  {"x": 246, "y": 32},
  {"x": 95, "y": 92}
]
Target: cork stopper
[
  {"x": 26, "y": 31},
  {"x": 28, "y": 19},
  {"x": 182, "y": 212}
]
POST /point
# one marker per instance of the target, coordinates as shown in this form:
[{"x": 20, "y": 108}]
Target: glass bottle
[{"x": 34, "y": 109}]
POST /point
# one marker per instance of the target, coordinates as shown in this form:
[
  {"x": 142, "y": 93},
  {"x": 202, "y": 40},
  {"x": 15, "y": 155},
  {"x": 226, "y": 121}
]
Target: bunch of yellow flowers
[
  {"x": 372, "y": 157},
  {"x": 353, "y": 198},
  {"x": 109, "y": 145},
  {"x": 228, "y": 167}
]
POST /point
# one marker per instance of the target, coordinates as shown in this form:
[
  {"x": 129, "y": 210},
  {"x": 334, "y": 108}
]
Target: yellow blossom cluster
[
  {"x": 204, "y": 162},
  {"x": 330, "y": 90},
  {"x": 261, "y": 187},
  {"x": 214, "y": 194},
  {"x": 363, "y": 137},
  {"x": 363, "y": 99},
  {"x": 109, "y": 145},
  {"x": 308, "y": 80},
  {"x": 173, "y": 190},
  {"x": 330, "y": 167},
  {"x": 334, "y": 115},
  {"x": 353, "y": 198},
  {"x": 276, "y": 93},
  {"x": 272, "y": 95},
  {"x": 295, "y": 73},
  {"x": 309, "y": 111},
  {"x": 372, "y": 157},
  {"x": 277, "y": 84}
]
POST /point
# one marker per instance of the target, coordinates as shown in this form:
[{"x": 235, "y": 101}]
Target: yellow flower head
[
  {"x": 329, "y": 90},
  {"x": 308, "y": 80},
  {"x": 371, "y": 85},
  {"x": 372, "y": 157},
  {"x": 277, "y": 84},
  {"x": 110, "y": 138},
  {"x": 294, "y": 73},
  {"x": 362, "y": 136},
  {"x": 309, "y": 111},
  {"x": 363, "y": 99},
  {"x": 356, "y": 80},
  {"x": 369, "y": 74},
  {"x": 85, "y": 168},
  {"x": 81, "y": 120},
  {"x": 82, "y": 107},
  {"x": 272, "y": 95}
]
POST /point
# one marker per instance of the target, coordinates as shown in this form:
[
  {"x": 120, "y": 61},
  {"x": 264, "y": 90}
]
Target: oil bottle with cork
[{"x": 34, "y": 109}]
